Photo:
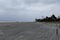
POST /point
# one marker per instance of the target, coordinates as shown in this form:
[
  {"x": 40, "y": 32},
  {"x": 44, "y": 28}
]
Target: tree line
[{"x": 53, "y": 18}]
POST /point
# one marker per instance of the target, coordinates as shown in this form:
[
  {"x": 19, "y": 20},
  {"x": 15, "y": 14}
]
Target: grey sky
[{"x": 28, "y": 10}]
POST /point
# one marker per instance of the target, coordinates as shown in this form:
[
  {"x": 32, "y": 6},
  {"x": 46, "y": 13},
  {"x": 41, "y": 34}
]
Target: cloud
[
  {"x": 28, "y": 10},
  {"x": 42, "y": 1}
]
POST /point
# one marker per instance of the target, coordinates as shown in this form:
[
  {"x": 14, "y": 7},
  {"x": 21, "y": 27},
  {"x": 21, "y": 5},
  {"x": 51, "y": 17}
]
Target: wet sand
[{"x": 28, "y": 31}]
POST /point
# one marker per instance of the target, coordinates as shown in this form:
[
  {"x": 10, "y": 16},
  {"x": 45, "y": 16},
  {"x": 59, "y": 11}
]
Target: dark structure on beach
[{"x": 53, "y": 18}]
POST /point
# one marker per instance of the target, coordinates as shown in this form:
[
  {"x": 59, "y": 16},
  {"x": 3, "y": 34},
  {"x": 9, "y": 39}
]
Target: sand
[{"x": 28, "y": 31}]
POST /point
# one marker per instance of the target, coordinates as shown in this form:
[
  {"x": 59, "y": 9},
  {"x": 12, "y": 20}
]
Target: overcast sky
[{"x": 27, "y": 10}]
